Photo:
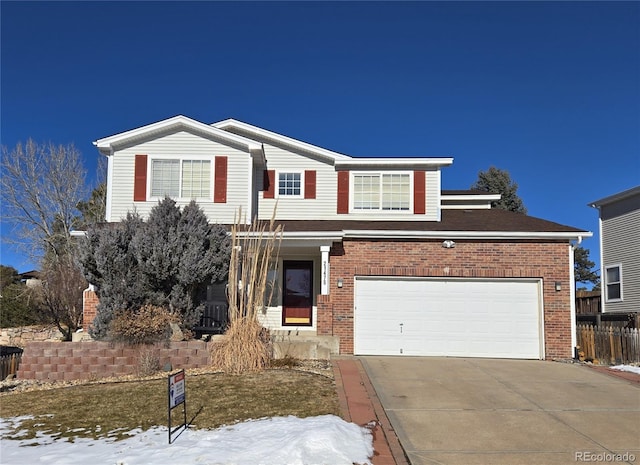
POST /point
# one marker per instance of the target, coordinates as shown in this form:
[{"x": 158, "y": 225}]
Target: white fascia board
[
  {"x": 478, "y": 206},
  {"x": 280, "y": 139},
  {"x": 487, "y": 197},
  {"x": 388, "y": 163},
  {"x": 326, "y": 235},
  {"x": 578, "y": 236},
  {"x": 288, "y": 242},
  {"x": 299, "y": 235},
  {"x": 106, "y": 145}
]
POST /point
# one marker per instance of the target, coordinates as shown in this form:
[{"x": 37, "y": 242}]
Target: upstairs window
[
  {"x": 290, "y": 184},
  {"x": 196, "y": 179},
  {"x": 613, "y": 278},
  {"x": 382, "y": 192},
  {"x": 189, "y": 179}
]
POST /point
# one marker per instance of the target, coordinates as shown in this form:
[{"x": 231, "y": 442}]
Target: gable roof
[
  {"x": 339, "y": 160},
  {"x": 108, "y": 145},
  {"x": 615, "y": 197},
  {"x": 234, "y": 126}
]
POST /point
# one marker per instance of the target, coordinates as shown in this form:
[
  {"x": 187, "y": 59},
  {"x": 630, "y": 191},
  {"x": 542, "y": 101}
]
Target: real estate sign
[
  {"x": 176, "y": 389},
  {"x": 176, "y": 394}
]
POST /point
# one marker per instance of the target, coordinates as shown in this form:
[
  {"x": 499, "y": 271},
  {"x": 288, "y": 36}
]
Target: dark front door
[{"x": 297, "y": 295}]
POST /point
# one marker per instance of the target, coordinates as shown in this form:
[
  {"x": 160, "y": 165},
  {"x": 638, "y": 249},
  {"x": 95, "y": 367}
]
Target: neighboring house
[
  {"x": 619, "y": 218},
  {"x": 31, "y": 278},
  {"x": 374, "y": 253}
]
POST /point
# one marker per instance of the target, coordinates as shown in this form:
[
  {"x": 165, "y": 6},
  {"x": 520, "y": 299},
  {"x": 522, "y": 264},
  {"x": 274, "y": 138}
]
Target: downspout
[
  {"x": 109, "y": 188},
  {"x": 603, "y": 284},
  {"x": 572, "y": 297}
]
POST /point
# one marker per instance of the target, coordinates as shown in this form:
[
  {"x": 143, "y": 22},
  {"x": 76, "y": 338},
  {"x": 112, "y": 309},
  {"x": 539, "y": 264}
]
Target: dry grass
[
  {"x": 245, "y": 347},
  {"x": 213, "y": 400}
]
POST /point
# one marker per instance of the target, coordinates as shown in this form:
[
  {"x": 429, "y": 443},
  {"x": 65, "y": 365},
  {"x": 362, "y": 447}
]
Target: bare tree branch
[{"x": 41, "y": 185}]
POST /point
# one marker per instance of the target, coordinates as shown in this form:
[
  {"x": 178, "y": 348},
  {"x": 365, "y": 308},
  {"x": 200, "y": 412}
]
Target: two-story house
[
  {"x": 374, "y": 253},
  {"x": 619, "y": 224}
]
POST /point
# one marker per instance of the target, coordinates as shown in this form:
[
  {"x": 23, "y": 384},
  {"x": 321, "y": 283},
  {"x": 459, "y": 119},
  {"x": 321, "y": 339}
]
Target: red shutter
[
  {"x": 140, "y": 179},
  {"x": 220, "y": 180},
  {"x": 269, "y": 187},
  {"x": 419, "y": 193},
  {"x": 343, "y": 192},
  {"x": 310, "y": 184}
]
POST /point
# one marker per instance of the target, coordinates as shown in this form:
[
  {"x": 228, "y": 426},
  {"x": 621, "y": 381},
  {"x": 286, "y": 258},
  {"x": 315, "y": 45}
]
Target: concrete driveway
[{"x": 490, "y": 412}]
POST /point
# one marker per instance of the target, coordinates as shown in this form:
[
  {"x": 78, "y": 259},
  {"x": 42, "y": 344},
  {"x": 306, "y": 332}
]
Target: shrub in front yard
[
  {"x": 147, "y": 325},
  {"x": 166, "y": 260}
]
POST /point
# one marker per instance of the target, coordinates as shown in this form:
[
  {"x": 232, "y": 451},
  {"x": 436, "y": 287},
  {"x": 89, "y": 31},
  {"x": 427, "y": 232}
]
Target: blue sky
[{"x": 549, "y": 91}]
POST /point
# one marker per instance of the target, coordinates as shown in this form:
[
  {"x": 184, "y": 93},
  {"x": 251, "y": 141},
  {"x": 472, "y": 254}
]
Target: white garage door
[{"x": 436, "y": 317}]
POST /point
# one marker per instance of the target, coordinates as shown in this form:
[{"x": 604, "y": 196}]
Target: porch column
[{"x": 324, "y": 279}]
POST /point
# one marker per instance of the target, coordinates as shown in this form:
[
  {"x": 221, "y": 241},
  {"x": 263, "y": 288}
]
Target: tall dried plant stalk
[{"x": 255, "y": 249}]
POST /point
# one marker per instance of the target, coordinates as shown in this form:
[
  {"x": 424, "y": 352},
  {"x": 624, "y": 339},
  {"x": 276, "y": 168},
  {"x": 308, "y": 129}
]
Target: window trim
[
  {"x": 181, "y": 159},
  {"x": 352, "y": 209},
  {"x": 287, "y": 196},
  {"x": 618, "y": 283}
]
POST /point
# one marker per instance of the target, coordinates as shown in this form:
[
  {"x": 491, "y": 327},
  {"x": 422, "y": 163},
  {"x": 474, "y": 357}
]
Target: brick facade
[
  {"x": 89, "y": 307},
  {"x": 548, "y": 261}
]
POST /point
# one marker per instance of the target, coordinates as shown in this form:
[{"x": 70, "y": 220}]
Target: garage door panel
[{"x": 481, "y": 318}]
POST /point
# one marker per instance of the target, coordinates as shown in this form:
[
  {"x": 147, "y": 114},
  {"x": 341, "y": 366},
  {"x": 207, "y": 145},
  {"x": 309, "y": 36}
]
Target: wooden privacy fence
[
  {"x": 609, "y": 344},
  {"x": 9, "y": 361},
  {"x": 588, "y": 302}
]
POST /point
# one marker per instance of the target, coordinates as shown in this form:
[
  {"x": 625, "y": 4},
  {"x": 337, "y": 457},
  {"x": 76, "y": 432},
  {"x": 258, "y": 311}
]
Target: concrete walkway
[{"x": 485, "y": 411}]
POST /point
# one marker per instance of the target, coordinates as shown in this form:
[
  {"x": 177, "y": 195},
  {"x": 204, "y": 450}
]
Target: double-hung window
[
  {"x": 290, "y": 184},
  {"x": 382, "y": 191},
  {"x": 613, "y": 277},
  {"x": 189, "y": 179}
]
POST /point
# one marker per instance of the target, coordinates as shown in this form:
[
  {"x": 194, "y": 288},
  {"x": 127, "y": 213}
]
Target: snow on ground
[
  {"x": 628, "y": 368},
  {"x": 325, "y": 439}
]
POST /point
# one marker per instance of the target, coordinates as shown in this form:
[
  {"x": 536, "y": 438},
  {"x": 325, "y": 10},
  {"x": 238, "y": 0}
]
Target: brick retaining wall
[{"x": 94, "y": 360}]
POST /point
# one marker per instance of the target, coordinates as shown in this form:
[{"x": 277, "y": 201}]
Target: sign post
[{"x": 177, "y": 395}]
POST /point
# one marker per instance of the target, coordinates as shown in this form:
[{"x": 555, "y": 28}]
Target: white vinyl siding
[
  {"x": 296, "y": 207},
  {"x": 243, "y": 182},
  {"x": 191, "y": 147}
]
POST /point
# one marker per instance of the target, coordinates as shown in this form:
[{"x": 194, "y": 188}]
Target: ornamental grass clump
[{"x": 246, "y": 343}]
